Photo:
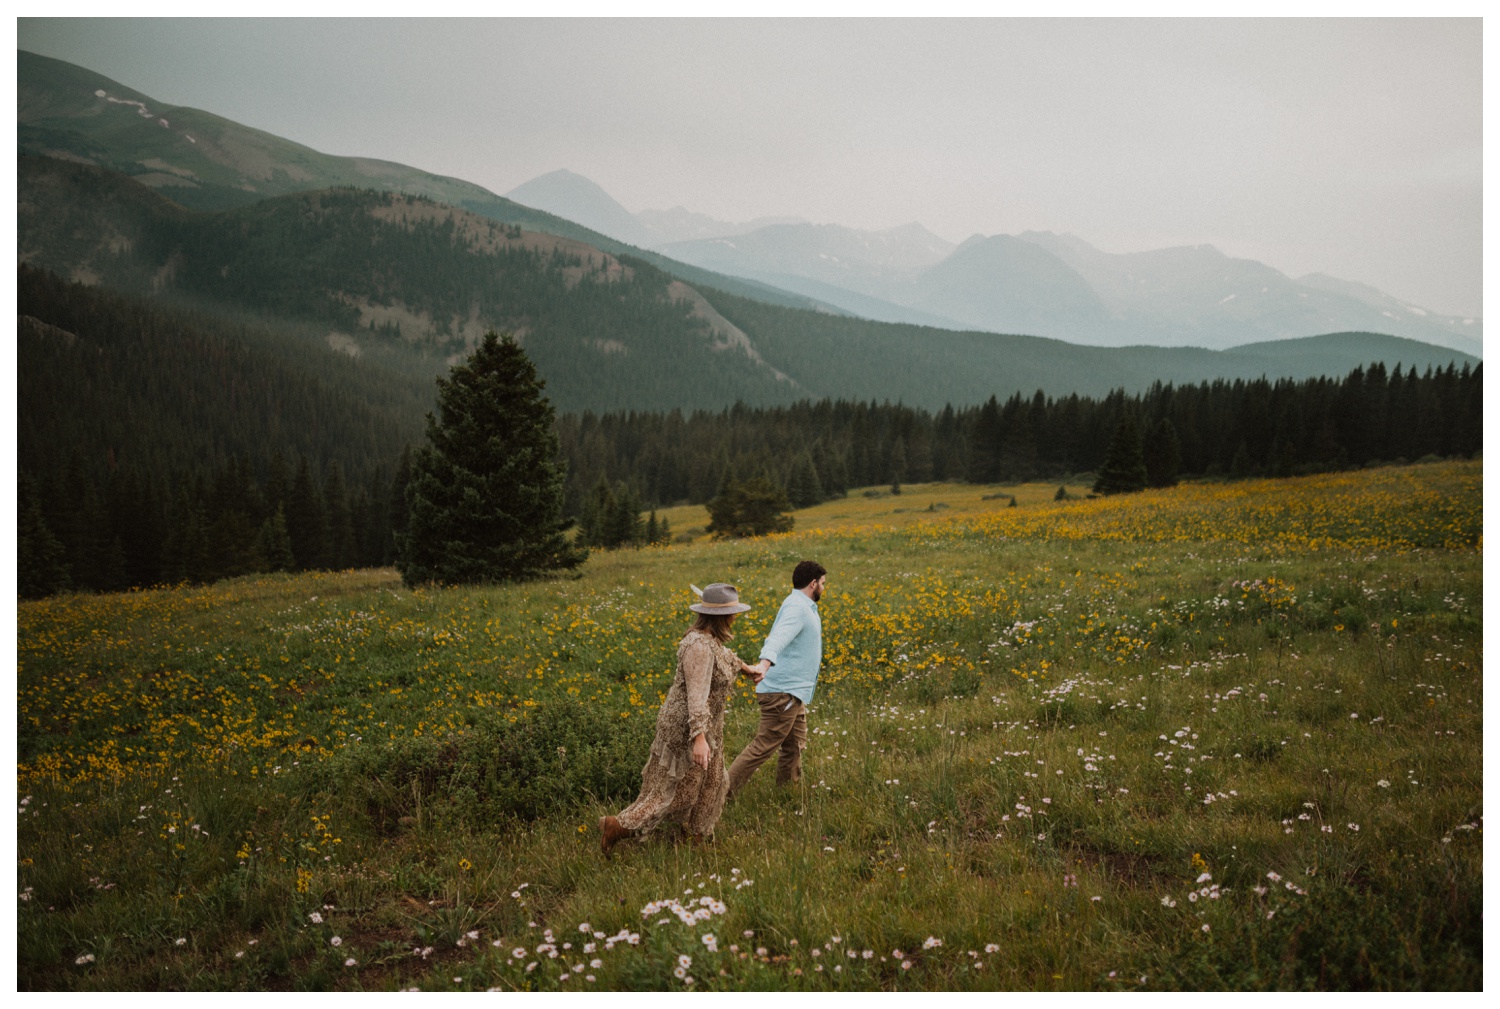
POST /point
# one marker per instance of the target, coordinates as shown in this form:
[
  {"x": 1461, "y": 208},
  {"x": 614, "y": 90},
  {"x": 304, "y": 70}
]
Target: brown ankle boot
[{"x": 611, "y": 831}]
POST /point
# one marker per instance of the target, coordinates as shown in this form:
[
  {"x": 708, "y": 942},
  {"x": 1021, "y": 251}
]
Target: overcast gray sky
[{"x": 1349, "y": 147}]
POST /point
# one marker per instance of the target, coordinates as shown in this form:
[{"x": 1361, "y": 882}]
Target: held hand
[{"x": 700, "y": 751}]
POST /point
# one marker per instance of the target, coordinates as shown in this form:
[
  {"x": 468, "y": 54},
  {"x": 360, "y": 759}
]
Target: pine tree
[
  {"x": 486, "y": 492},
  {"x": 231, "y": 545},
  {"x": 1124, "y": 468},
  {"x": 137, "y": 518},
  {"x": 307, "y": 519},
  {"x": 1240, "y": 466},
  {"x": 341, "y": 546},
  {"x": 185, "y": 556},
  {"x": 40, "y": 566},
  {"x": 625, "y": 527},
  {"x": 278, "y": 481},
  {"x": 397, "y": 509},
  {"x": 752, "y": 508},
  {"x": 803, "y": 487},
  {"x": 898, "y": 465},
  {"x": 101, "y": 565},
  {"x": 595, "y": 515},
  {"x": 1163, "y": 455},
  {"x": 274, "y": 545},
  {"x": 833, "y": 474},
  {"x": 374, "y": 527}
]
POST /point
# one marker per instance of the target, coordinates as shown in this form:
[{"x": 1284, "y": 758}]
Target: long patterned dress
[{"x": 672, "y": 786}]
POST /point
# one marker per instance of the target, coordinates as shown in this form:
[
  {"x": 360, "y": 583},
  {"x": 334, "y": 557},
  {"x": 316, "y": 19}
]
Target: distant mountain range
[
  {"x": 1036, "y": 282},
  {"x": 406, "y": 269}
]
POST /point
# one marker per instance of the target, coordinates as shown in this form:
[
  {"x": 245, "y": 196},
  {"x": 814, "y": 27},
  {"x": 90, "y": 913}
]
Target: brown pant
[{"x": 782, "y": 727}]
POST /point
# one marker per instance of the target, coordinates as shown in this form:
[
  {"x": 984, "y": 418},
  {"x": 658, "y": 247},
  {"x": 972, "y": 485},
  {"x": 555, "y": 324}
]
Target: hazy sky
[{"x": 1349, "y": 147}]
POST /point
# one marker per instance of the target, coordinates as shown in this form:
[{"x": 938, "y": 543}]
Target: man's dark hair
[{"x": 807, "y": 572}]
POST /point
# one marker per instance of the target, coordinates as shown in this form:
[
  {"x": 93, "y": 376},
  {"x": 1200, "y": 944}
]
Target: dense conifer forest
[
  {"x": 1213, "y": 429},
  {"x": 161, "y": 445},
  {"x": 157, "y": 444}
]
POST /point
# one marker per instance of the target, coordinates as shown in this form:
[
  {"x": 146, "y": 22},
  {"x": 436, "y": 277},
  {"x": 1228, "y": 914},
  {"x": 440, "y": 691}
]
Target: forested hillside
[
  {"x": 158, "y": 444},
  {"x": 395, "y": 276},
  {"x": 385, "y": 274}
]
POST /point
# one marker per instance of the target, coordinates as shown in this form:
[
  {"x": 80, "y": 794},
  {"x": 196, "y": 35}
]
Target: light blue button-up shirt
[{"x": 795, "y": 648}]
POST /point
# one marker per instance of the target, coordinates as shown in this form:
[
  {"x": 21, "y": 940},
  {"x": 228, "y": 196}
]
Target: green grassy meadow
[{"x": 1224, "y": 736}]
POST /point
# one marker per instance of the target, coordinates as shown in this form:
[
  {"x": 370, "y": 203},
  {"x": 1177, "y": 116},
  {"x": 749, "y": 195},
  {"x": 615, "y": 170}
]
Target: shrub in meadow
[{"x": 495, "y": 770}]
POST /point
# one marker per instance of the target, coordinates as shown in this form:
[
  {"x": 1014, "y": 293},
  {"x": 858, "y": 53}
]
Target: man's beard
[{"x": 817, "y": 594}]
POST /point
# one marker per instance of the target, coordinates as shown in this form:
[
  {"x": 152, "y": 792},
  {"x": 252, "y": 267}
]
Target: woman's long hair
[{"x": 716, "y": 624}]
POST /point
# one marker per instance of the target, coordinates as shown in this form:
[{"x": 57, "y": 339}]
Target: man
[{"x": 788, "y": 670}]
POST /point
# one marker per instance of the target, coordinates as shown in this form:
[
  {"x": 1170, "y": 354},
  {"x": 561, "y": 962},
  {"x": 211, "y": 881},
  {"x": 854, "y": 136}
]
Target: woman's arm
[{"x": 698, "y": 676}]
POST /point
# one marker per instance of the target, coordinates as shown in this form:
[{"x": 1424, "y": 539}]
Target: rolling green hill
[
  {"x": 207, "y": 162},
  {"x": 394, "y": 276},
  {"x": 389, "y": 275}
]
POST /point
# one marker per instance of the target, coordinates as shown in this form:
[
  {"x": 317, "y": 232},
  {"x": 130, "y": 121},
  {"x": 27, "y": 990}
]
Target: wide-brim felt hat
[{"x": 718, "y": 600}]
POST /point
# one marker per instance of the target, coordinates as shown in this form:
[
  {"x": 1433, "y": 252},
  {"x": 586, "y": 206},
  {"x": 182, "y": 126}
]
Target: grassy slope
[
  {"x": 917, "y": 503},
  {"x": 227, "y": 165},
  {"x": 980, "y": 666}
]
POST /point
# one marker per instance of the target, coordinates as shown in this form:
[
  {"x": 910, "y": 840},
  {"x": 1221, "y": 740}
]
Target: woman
[{"x": 684, "y": 779}]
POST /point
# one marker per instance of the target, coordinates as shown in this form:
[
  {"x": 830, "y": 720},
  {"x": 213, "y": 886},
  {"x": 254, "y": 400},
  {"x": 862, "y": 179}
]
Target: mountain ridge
[
  {"x": 402, "y": 280},
  {"x": 206, "y": 162},
  {"x": 1190, "y": 295},
  {"x": 61, "y": 115},
  {"x": 576, "y": 198}
]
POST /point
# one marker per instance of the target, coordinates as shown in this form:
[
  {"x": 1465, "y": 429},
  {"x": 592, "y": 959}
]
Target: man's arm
[{"x": 788, "y": 622}]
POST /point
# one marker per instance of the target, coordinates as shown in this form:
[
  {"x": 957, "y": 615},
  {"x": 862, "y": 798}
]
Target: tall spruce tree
[
  {"x": 803, "y": 487},
  {"x": 397, "y": 508},
  {"x": 41, "y": 565},
  {"x": 307, "y": 519},
  {"x": 897, "y": 464},
  {"x": 594, "y": 516},
  {"x": 623, "y": 527},
  {"x": 341, "y": 543},
  {"x": 273, "y": 545},
  {"x": 1163, "y": 455},
  {"x": 485, "y": 498},
  {"x": 1124, "y": 468}
]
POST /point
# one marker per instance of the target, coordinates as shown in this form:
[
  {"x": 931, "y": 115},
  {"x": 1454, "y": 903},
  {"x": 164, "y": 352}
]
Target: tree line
[
  {"x": 1235, "y": 428},
  {"x": 134, "y": 530}
]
